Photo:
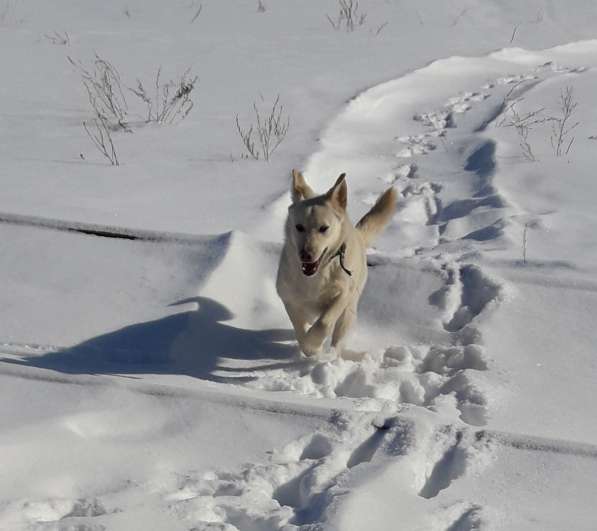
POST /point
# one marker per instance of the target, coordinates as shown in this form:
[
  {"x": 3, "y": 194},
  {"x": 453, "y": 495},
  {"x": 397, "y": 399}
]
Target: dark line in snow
[
  {"x": 539, "y": 444},
  {"x": 104, "y": 231},
  {"x": 106, "y": 234}
]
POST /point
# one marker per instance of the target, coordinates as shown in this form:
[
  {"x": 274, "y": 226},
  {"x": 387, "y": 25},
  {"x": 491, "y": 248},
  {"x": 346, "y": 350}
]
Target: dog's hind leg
[{"x": 343, "y": 325}]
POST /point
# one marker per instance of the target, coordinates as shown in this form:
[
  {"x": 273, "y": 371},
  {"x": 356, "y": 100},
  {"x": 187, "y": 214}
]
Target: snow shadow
[
  {"x": 192, "y": 343},
  {"x": 482, "y": 162}
]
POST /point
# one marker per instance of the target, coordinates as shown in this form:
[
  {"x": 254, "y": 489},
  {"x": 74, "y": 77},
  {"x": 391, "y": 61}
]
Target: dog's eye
[
  {"x": 300, "y": 228},
  {"x": 323, "y": 229}
]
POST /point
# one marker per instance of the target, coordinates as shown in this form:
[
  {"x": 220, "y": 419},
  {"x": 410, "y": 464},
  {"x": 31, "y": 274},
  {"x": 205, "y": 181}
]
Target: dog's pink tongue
[{"x": 309, "y": 268}]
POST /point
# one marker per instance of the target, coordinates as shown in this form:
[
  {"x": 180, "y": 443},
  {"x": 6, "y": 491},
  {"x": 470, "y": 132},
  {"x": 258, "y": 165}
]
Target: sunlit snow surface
[{"x": 151, "y": 381}]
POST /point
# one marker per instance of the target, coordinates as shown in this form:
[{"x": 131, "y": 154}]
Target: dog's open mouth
[{"x": 310, "y": 268}]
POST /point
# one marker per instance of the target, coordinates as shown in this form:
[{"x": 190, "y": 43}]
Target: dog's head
[{"x": 315, "y": 225}]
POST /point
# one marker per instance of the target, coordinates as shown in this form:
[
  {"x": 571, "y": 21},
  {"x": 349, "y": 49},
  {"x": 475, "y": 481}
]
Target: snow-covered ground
[{"x": 151, "y": 381}]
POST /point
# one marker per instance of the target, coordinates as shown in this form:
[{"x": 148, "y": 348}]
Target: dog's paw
[
  {"x": 310, "y": 351},
  {"x": 310, "y": 346},
  {"x": 312, "y": 343}
]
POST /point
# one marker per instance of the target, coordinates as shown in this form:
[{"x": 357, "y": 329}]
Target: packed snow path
[{"x": 407, "y": 426}]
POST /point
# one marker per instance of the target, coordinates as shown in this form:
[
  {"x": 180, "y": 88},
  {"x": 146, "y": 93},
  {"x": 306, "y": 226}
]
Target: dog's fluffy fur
[{"x": 314, "y": 283}]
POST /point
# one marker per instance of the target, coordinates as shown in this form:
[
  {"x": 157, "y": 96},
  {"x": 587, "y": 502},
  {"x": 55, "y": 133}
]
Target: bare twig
[
  {"x": 197, "y": 13},
  {"x": 349, "y": 16},
  {"x": 104, "y": 90},
  {"x": 525, "y": 146},
  {"x": 380, "y": 28},
  {"x": 246, "y": 136},
  {"x": 524, "y": 243},
  {"x": 170, "y": 100},
  {"x": 270, "y": 130},
  {"x": 528, "y": 120},
  {"x": 523, "y": 124},
  {"x": 561, "y": 140},
  {"x": 508, "y": 102},
  {"x": 58, "y": 38},
  {"x": 537, "y": 20},
  {"x": 102, "y": 139},
  {"x": 459, "y": 16},
  {"x": 561, "y": 125},
  {"x": 508, "y": 96}
]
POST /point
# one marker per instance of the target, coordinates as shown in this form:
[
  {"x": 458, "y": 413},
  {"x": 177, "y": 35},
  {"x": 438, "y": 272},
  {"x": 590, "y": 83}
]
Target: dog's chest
[
  {"x": 318, "y": 292},
  {"x": 313, "y": 294}
]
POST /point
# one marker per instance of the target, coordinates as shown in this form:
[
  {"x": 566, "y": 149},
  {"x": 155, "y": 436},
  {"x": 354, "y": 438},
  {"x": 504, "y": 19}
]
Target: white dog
[{"x": 323, "y": 267}]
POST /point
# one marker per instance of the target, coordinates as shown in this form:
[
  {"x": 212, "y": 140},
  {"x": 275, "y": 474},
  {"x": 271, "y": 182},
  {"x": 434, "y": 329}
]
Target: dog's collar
[{"x": 340, "y": 254}]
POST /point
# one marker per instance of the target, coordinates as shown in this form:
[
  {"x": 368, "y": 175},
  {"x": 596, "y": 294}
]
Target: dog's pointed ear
[
  {"x": 337, "y": 195},
  {"x": 300, "y": 190}
]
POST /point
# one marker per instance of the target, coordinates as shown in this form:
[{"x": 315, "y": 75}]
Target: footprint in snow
[{"x": 415, "y": 145}]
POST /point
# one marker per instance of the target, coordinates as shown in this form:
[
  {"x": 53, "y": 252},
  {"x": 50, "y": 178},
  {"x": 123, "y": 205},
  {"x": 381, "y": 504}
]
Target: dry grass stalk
[
  {"x": 170, "y": 100},
  {"x": 349, "y": 16},
  {"x": 102, "y": 139},
  {"x": 523, "y": 124},
  {"x": 262, "y": 138},
  {"x": 561, "y": 140},
  {"x": 104, "y": 90},
  {"x": 197, "y": 13},
  {"x": 58, "y": 38}
]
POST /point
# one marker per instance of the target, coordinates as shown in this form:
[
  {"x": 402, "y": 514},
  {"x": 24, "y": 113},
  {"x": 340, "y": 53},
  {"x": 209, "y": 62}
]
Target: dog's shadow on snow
[{"x": 194, "y": 342}]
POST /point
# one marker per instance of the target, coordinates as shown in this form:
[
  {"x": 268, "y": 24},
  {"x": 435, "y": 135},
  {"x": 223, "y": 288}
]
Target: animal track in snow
[
  {"x": 472, "y": 291},
  {"x": 469, "y": 520},
  {"x": 450, "y": 466},
  {"x": 437, "y": 120},
  {"x": 72, "y": 513},
  {"x": 451, "y": 452},
  {"x": 432, "y": 375},
  {"x": 519, "y": 78},
  {"x": 422, "y": 375},
  {"x": 401, "y": 175},
  {"x": 415, "y": 145},
  {"x": 420, "y": 203},
  {"x": 463, "y": 207},
  {"x": 293, "y": 488},
  {"x": 407, "y": 171},
  {"x": 297, "y": 484},
  {"x": 441, "y": 120},
  {"x": 462, "y": 103}
]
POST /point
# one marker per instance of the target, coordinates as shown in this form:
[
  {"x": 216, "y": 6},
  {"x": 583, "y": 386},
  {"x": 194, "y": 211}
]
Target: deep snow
[{"x": 153, "y": 383}]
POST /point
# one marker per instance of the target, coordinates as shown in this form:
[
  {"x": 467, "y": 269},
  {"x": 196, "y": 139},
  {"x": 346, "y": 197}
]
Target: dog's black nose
[{"x": 306, "y": 257}]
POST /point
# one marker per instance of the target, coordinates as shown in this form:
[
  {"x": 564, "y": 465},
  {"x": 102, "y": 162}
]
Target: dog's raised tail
[{"x": 374, "y": 221}]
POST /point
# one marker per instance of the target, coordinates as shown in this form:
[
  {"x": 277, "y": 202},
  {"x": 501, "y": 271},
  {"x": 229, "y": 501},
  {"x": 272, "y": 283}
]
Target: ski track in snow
[{"x": 300, "y": 482}]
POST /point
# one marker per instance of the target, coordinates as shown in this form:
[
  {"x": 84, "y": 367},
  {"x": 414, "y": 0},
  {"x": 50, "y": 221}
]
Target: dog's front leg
[
  {"x": 342, "y": 325},
  {"x": 324, "y": 326},
  {"x": 298, "y": 320}
]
